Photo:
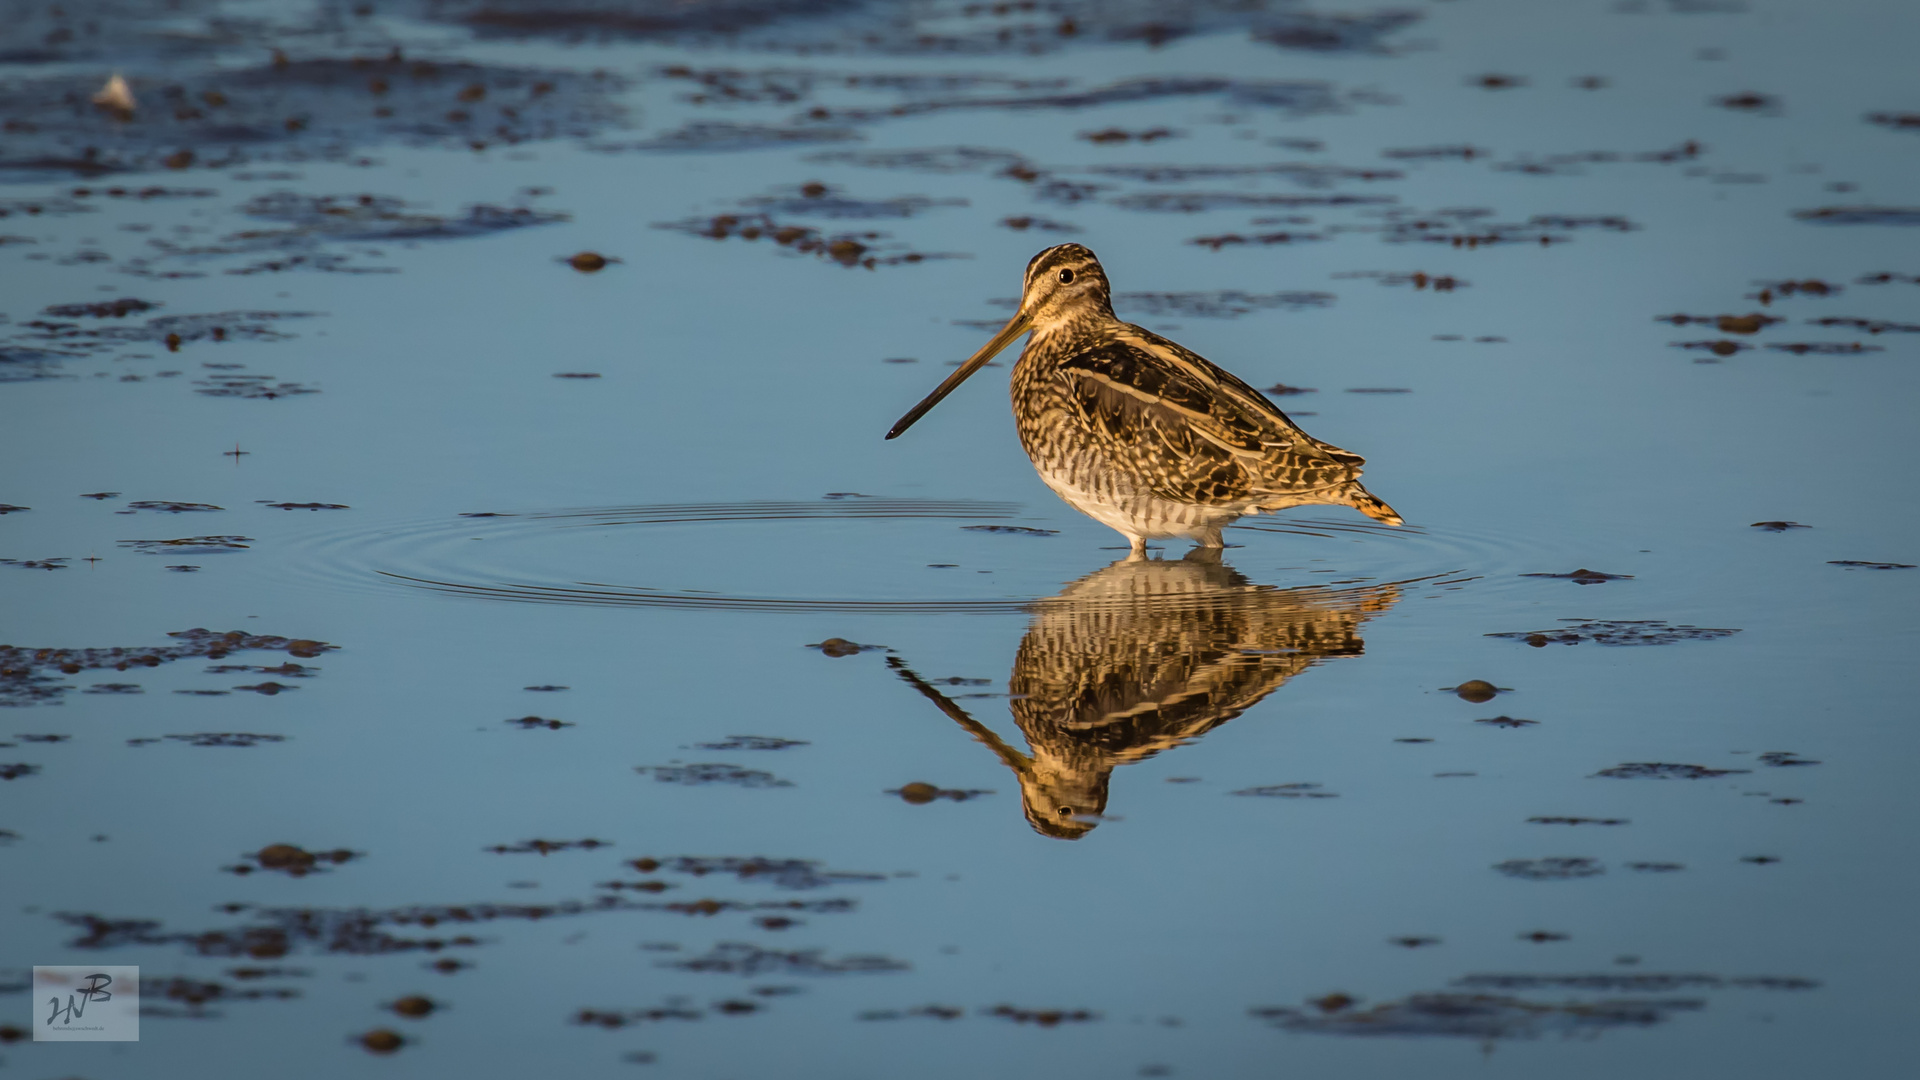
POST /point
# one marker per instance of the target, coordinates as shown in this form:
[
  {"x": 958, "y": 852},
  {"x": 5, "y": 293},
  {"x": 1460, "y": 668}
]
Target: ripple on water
[{"x": 846, "y": 553}]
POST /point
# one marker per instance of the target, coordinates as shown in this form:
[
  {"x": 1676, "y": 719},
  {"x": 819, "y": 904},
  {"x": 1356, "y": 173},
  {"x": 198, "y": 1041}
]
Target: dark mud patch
[
  {"x": 1896, "y": 121},
  {"x": 241, "y": 739},
  {"x": 101, "y": 309},
  {"x": 1469, "y": 228},
  {"x": 547, "y": 847},
  {"x": 251, "y": 387},
  {"x": 1656, "y": 867},
  {"x": 1308, "y": 175},
  {"x": 674, "y": 1009},
  {"x": 1751, "y": 101},
  {"x": 1777, "y": 526},
  {"x": 1294, "y": 98},
  {"x": 1822, "y": 348},
  {"x": 741, "y": 958},
  {"x": 190, "y": 545},
  {"x": 850, "y": 249},
  {"x": 1576, "y": 821},
  {"x": 1283, "y": 390},
  {"x": 56, "y": 563},
  {"x": 40, "y": 348},
  {"x": 1045, "y": 1018},
  {"x": 815, "y": 199},
  {"x": 929, "y": 1012},
  {"x": 1010, "y": 530},
  {"x": 1485, "y": 1018},
  {"x": 753, "y": 742},
  {"x": 120, "y": 689},
  {"x": 1227, "y": 240},
  {"x": 1651, "y": 982},
  {"x": 306, "y": 505},
  {"x": 1194, "y": 202},
  {"x": 1553, "y": 868},
  {"x": 17, "y": 770},
  {"x": 1286, "y": 791},
  {"x": 292, "y": 860},
  {"x": 168, "y": 506},
  {"x": 1541, "y": 937},
  {"x": 703, "y": 775},
  {"x": 1584, "y": 576},
  {"x": 780, "y": 873},
  {"x": 1419, "y": 279},
  {"x": 1751, "y": 323},
  {"x": 920, "y": 793},
  {"x": 1784, "y": 759},
  {"x": 1860, "y": 215},
  {"x": 26, "y": 674},
  {"x": 1616, "y": 632},
  {"x": 1870, "y": 326},
  {"x": 710, "y": 136},
  {"x": 1507, "y": 722},
  {"x": 1218, "y": 304},
  {"x": 1860, "y": 564},
  {"x": 1654, "y": 770},
  {"x": 814, "y": 27},
  {"x": 192, "y": 996},
  {"x": 1106, "y": 136},
  {"x": 325, "y": 108},
  {"x": 1478, "y": 691},
  {"x": 536, "y": 723}
]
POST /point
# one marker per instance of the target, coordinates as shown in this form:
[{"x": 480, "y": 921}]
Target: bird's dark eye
[
  {"x": 1066, "y": 277},
  {"x": 1066, "y": 811}
]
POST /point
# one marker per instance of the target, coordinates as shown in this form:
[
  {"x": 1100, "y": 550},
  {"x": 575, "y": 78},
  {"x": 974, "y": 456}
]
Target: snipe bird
[
  {"x": 1143, "y": 656},
  {"x": 1140, "y": 434}
]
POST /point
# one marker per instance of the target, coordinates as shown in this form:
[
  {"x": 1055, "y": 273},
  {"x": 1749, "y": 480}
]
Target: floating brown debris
[
  {"x": 414, "y": 1007},
  {"x": 1784, "y": 758},
  {"x": 1871, "y": 326},
  {"x": 1553, "y": 868},
  {"x": 1507, "y": 722},
  {"x": 1042, "y": 1017},
  {"x": 1860, "y": 215},
  {"x": 547, "y": 847},
  {"x": 1215, "y": 243},
  {"x": 102, "y": 309},
  {"x": 382, "y": 1041},
  {"x": 1023, "y": 222},
  {"x": 1823, "y": 348},
  {"x": 1616, "y": 632},
  {"x": 1727, "y": 324},
  {"x": 920, "y": 793},
  {"x": 22, "y": 681},
  {"x": 740, "y": 958},
  {"x": 530, "y": 723},
  {"x": 588, "y": 262},
  {"x": 1413, "y": 941},
  {"x": 1778, "y": 526},
  {"x": 1011, "y": 530},
  {"x": 835, "y": 646},
  {"x": 1653, "y": 770},
  {"x": 1287, "y": 791},
  {"x": 1419, "y": 279},
  {"x": 1541, "y": 937},
  {"x": 1477, "y": 690},
  {"x": 1896, "y": 121},
  {"x": 1121, "y": 135},
  {"x": 1495, "y": 81},
  {"x": 576, "y": 374},
  {"x": 1750, "y": 101},
  {"x": 1576, "y": 821},
  {"x": 16, "y": 770},
  {"x": 753, "y": 742},
  {"x": 1859, "y": 564},
  {"x": 292, "y": 860},
  {"x": 1484, "y": 1018},
  {"x": 59, "y": 563},
  {"x": 168, "y": 506},
  {"x": 212, "y": 738},
  {"x": 931, "y": 1012},
  {"x": 543, "y": 689},
  {"x": 712, "y": 773},
  {"x": 1656, "y": 867},
  {"x": 1283, "y": 390},
  {"x": 1223, "y": 304},
  {"x": 1583, "y": 576},
  {"x": 307, "y": 506}
]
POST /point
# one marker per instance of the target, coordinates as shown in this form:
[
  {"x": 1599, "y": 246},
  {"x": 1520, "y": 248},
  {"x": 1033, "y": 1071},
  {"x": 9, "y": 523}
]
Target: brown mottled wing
[{"x": 1201, "y": 434}]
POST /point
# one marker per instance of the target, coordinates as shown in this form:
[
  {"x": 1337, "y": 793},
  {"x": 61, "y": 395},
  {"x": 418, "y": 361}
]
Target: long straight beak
[{"x": 1016, "y": 326}]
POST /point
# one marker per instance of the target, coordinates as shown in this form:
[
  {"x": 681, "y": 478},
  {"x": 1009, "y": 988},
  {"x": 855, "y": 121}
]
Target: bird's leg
[
  {"x": 1210, "y": 538},
  {"x": 1139, "y": 549}
]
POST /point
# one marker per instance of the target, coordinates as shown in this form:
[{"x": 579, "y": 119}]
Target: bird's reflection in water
[{"x": 1144, "y": 655}]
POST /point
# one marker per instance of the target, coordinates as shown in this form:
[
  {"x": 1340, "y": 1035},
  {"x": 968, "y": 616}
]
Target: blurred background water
[{"x": 1593, "y": 286}]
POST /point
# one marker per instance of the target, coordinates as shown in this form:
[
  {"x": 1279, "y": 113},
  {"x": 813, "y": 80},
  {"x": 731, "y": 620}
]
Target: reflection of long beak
[{"x": 1016, "y": 326}]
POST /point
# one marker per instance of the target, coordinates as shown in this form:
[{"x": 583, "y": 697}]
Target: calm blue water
[{"x": 674, "y": 533}]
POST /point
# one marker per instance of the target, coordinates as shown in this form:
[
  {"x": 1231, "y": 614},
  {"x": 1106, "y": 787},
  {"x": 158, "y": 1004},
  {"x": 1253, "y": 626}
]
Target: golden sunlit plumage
[{"x": 1141, "y": 434}]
